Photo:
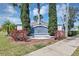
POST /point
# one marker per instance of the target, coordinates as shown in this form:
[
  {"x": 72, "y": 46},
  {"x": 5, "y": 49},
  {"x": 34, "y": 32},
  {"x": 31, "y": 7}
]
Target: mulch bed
[
  {"x": 35, "y": 41},
  {"x": 21, "y": 37}
]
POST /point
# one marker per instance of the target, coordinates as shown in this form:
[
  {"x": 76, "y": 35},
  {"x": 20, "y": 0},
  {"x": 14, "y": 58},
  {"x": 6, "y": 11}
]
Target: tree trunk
[{"x": 8, "y": 32}]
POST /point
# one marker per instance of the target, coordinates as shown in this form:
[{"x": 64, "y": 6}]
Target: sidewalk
[{"x": 62, "y": 48}]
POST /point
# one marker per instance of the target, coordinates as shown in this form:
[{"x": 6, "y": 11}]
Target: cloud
[
  {"x": 43, "y": 10},
  {"x": 14, "y": 20},
  {"x": 10, "y": 10},
  {"x": 61, "y": 10},
  {"x": 35, "y": 11}
]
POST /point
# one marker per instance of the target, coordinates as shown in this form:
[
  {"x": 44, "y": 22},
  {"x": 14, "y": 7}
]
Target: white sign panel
[{"x": 19, "y": 27}]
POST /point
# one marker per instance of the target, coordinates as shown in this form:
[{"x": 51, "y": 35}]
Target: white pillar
[
  {"x": 67, "y": 19},
  {"x": 38, "y": 18}
]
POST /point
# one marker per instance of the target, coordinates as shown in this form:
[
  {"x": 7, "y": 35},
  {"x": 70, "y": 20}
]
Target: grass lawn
[
  {"x": 9, "y": 48},
  {"x": 76, "y": 53}
]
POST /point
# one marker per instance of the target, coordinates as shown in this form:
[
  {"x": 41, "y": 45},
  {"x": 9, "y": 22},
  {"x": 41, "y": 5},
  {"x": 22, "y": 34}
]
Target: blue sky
[
  {"x": 61, "y": 10},
  {"x": 8, "y": 12}
]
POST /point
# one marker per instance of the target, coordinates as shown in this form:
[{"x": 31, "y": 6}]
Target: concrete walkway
[{"x": 62, "y": 48}]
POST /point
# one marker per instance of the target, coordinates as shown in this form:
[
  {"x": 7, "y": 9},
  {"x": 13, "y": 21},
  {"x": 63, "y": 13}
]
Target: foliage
[
  {"x": 8, "y": 26},
  {"x": 78, "y": 32},
  {"x": 11, "y": 48},
  {"x": 78, "y": 29},
  {"x": 24, "y": 8},
  {"x": 19, "y": 35},
  {"x": 72, "y": 33},
  {"x": 72, "y": 19},
  {"x": 52, "y": 26},
  {"x": 25, "y": 16},
  {"x": 36, "y": 17},
  {"x": 59, "y": 35},
  {"x": 8, "y": 48}
]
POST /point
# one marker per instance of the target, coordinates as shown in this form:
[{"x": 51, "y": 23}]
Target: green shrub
[
  {"x": 38, "y": 46},
  {"x": 72, "y": 33},
  {"x": 78, "y": 32}
]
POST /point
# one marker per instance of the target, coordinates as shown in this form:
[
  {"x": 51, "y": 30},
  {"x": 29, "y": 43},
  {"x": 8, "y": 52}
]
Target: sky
[
  {"x": 8, "y": 12},
  {"x": 61, "y": 10},
  {"x": 43, "y": 11}
]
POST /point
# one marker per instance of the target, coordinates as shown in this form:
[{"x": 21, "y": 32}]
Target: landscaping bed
[
  {"x": 9, "y": 47},
  {"x": 36, "y": 41}
]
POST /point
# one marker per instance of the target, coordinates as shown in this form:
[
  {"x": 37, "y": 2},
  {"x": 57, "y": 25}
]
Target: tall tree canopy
[
  {"x": 72, "y": 17},
  {"x": 25, "y": 16},
  {"x": 52, "y": 26},
  {"x": 24, "y": 8}
]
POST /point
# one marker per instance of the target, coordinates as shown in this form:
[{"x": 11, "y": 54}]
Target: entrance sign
[{"x": 40, "y": 30}]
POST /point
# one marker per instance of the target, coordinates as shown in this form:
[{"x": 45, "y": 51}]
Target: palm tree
[
  {"x": 36, "y": 18},
  {"x": 8, "y": 26}
]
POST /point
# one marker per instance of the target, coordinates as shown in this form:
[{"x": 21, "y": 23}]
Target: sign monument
[{"x": 40, "y": 30}]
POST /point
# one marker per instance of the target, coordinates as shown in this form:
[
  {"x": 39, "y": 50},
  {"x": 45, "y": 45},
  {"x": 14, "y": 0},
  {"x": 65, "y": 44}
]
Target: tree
[
  {"x": 8, "y": 26},
  {"x": 52, "y": 26},
  {"x": 41, "y": 17},
  {"x": 72, "y": 16},
  {"x": 24, "y": 8},
  {"x": 36, "y": 18},
  {"x": 25, "y": 16},
  {"x": 78, "y": 29}
]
